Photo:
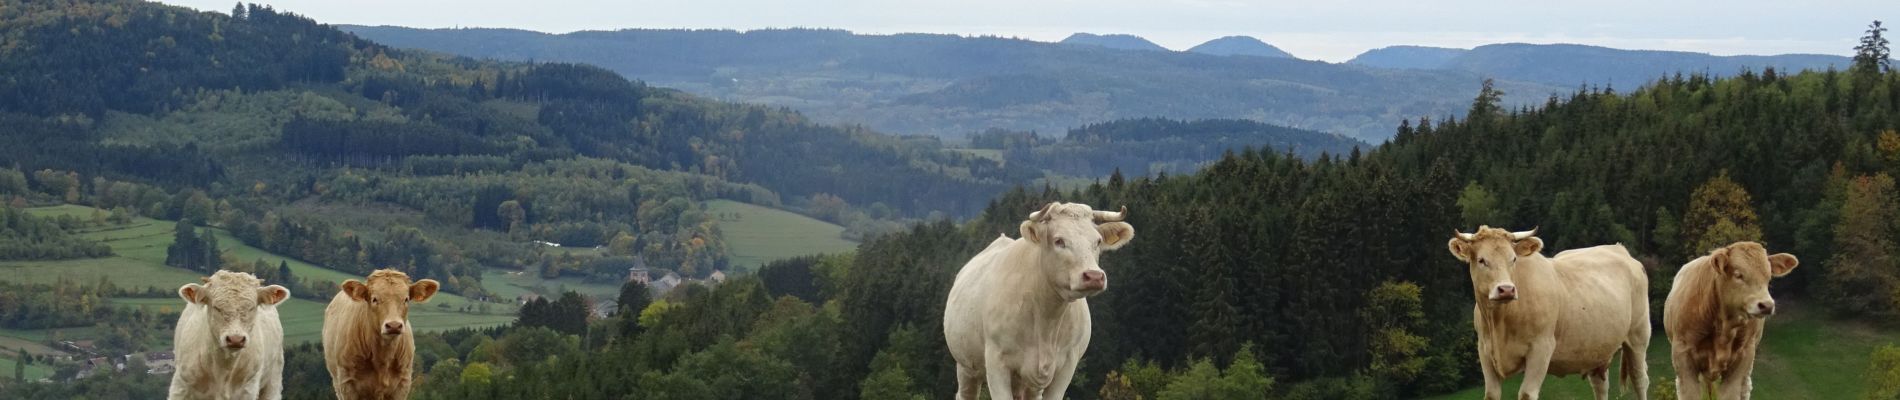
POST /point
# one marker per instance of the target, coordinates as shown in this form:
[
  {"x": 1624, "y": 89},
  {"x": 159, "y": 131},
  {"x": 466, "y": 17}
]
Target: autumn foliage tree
[{"x": 1719, "y": 213}]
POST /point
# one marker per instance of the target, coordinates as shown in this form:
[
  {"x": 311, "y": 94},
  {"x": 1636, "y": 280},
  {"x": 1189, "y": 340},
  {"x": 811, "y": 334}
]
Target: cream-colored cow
[
  {"x": 1569, "y": 314},
  {"x": 1017, "y": 317},
  {"x": 1714, "y": 315},
  {"x": 229, "y": 342}
]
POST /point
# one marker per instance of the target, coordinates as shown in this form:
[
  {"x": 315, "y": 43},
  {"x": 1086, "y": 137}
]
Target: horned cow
[
  {"x": 1017, "y": 317},
  {"x": 1569, "y": 314}
]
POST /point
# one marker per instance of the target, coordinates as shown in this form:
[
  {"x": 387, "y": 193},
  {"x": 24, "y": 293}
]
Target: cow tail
[{"x": 1630, "y": 374}]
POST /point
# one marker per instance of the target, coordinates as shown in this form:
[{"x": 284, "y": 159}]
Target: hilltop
[
  {"x": 1239, "y": 46},
  {"x": 1116, "y": 41}
]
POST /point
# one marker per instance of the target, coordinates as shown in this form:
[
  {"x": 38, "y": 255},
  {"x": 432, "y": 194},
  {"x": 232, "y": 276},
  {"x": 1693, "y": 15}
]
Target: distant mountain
[
  {"x": 952, "y": 86},
  {"x": 1573, "y": 64},
  {"x": 1239, "y": 46},
  {"x": 1408, "y": 57},
  {"x": 1114, "y": 41}
]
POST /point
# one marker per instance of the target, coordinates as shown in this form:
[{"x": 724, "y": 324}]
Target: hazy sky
[{"x": 1331, "y": 30}]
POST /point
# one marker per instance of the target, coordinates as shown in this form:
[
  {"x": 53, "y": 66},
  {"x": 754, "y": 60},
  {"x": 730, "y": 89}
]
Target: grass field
[
  {"x": 34, "y": 371},
  {"x": 139, "y": 261},
  {"x": 761, "y": 234},
  {"x": 1804, "y": 355},
  {"x": 508, "y": 285}
]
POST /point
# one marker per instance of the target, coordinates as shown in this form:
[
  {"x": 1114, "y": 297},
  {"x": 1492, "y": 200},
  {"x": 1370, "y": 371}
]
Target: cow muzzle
[
  {"x": 1761, "y": 309},
  {"x": 236, "y": 342},
  {"x": 1093, "y": 281},
  {"x": 1504, "y": 292},
  {"x": 392, "y": 328}
]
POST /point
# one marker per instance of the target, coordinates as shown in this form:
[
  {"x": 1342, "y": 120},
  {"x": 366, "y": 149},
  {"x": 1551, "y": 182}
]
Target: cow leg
[
  {"x": 1636, "y": 364},
  {"x": 1599, "y": 382},
  {"x": 1739, "y": 382},
  {"x": 998, "y": 376},
  {"x": 1493, "y": 382},
  {"x": 1536, "y": 365},
  {"x": 1689, "y": 384},
  {"x": 969, "y": 382},
  {"x": 1060, "y": 386}
]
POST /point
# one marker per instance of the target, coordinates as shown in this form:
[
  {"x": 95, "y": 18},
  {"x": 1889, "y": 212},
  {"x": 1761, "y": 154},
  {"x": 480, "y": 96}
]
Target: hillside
[
  {"x": 1149, "y": 146},
  {"x": 1239, "y": 46},
  {"x": 1571, "y": 64},
  {"x": 262, "y": 113},
  {"x": 1407, "y": 57},
  {"x": 1115, "y": 41},
  {"x": 952, "y": 86}
]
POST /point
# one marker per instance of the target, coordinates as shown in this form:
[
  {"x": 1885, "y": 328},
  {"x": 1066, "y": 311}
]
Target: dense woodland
[
  {"x": 1264, "y": 272},
  {"x": 1150, "y": 146}
]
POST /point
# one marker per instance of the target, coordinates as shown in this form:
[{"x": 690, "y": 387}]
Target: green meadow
[
  {"x": 139, "y": 261},
  {"x": 761, "y": 234}
]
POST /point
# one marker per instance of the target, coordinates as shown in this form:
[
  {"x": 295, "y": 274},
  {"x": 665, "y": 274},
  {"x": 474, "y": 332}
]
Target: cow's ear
[
  {"x": 1028, "y": 230},
  {"x": 421, "y": 290},
  {"x": 1528, "y": 246},
  {"x": 192, "y": 293},
  {"x": 1115, "y": 234},
  {"x": 356, "y": 289},
  {"x": 1782, "y": 264},
  {"x": 1718, "y": 261},
  {"x": 1459, "y": 248},
  {"x": 271, "y": 295}
]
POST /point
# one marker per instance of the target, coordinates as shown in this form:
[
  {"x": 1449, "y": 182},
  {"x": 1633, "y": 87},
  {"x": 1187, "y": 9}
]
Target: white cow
[
  {"x": 1017, "y": 317},
  {"x": 229, "y": 342}
]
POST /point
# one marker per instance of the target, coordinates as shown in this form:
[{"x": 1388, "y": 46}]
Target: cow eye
[
  {"x": 1062, "y": 243},
  {"x": 1484, "y": 262},
  {"x": 374, "y": 300}
]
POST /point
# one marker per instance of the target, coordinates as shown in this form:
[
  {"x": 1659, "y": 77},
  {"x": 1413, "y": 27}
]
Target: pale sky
[{"x": 1330, "y": 30}]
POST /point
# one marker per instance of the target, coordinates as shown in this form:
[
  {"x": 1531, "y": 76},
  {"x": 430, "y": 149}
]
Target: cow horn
[
  {"x": 1524, "y": 235},
  {"x": 1043, "y": 215},
  {"x": 1465, "y": 236},
  {"x": 1111, "y": 216}
]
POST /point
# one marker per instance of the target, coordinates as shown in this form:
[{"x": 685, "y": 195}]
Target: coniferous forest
[{"x": 1273, "y": 271}]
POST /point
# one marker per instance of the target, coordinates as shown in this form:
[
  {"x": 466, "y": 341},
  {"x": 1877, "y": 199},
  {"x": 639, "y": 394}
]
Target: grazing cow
[
  {"x": 1714, "y": 315},
  {"x": 1569, "y": 314},
  {"x": 229, "y": 343},
  {"x": 368, "y": 344},
  {"x": 1017, "y": 317}
]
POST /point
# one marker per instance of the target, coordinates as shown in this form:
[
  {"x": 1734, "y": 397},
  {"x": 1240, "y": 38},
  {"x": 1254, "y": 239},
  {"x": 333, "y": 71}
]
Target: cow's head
[
  {"x": 1742, "y": 273},
  {"x": 1492, "y": 254},
  {"x": 388, "y": 294},
  {"x": 231, "y": 300},
  {"x": 1070, "y": 241}
]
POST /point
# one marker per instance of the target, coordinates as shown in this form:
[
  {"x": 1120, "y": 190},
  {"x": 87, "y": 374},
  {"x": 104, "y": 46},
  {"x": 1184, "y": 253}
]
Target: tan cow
[
  {"x": 1017, "y": 316},
  {"x": 1565, "y": 315},
  {"x": 1714, "y": 315},
  {"x": 229, "y": 342},
  {"x": 368, "y": 344}
]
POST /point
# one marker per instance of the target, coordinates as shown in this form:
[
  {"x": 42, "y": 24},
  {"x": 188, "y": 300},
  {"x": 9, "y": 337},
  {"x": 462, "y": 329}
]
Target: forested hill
[
  {"x": 1336, "y": 268},
  {"x": 1149, "y": 146},
  {"x": 950, "y": 85},
  {"x": 1573, "y": 64},
  {"x": 263, "y": 118},
  {"x": 111, "y": 60}
]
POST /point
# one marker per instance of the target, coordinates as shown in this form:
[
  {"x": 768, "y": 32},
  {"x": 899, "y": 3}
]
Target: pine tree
[
  {"x": 185, "y": 249},
  {"x": 1873, "y": 55},
  {"x": 213, "y": 257}
]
